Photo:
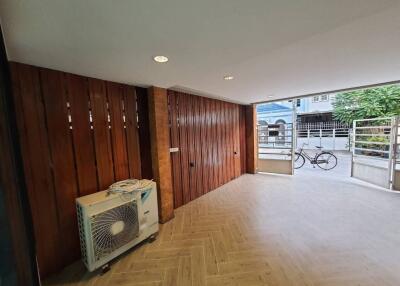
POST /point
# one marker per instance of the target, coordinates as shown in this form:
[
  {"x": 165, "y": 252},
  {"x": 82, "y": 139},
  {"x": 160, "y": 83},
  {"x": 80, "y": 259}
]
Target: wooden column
[
  {"x": 160, "y": 156},
  {"x": 251, "y": 139}
]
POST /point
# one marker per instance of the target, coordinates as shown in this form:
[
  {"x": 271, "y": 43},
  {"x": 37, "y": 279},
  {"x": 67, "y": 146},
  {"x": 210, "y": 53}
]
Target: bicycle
[{"x": 323, "y": 159}]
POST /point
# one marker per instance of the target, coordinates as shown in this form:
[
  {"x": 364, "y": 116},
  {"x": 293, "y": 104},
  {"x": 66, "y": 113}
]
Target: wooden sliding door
[{"x": 205, "y": 141}]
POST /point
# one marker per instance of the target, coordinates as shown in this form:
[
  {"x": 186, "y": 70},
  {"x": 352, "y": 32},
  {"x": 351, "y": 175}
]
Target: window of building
[
  {"x": 315, "y": 98},
  {"x": 324, "y": 97},
  {"x": 320, "y": 98}
]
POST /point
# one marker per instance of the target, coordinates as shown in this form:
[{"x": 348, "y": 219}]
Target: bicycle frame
[{"x": 307, "y": 156}]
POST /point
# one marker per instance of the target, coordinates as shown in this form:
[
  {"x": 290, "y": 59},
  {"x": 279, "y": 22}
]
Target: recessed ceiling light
[
  {"x": 228, "y": 77},
  {"x": 270, "y": 96},
  {"x": 160, "y": 59}
]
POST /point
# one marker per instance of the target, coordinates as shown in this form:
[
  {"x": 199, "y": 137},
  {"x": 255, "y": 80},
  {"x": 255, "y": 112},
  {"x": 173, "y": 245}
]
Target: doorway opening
[{"x": 316, "y": 136}]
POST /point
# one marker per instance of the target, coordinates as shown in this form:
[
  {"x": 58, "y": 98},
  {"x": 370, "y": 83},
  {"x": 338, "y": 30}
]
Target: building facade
[
  {"x": 309, "y": 110},
  {"x": 315, "y": 123}
]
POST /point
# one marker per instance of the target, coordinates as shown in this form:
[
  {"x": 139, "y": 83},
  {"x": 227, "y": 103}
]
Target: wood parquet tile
[{"x": 267, "y": 230}]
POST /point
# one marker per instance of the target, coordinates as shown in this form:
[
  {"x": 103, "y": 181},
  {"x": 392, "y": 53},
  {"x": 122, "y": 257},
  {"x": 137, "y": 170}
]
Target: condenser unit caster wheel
[
  {"x": 105, "y": 268},
  {"x": 151, "y": 238}
]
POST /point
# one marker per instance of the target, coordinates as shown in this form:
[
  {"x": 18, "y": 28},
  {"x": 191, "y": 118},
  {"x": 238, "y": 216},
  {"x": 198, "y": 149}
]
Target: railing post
[
  {"x": 320, "y": 136},
  {"x": 334, "y": 138}
]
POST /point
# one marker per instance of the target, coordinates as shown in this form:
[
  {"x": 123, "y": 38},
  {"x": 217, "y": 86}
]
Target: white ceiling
[{"x": 283, "y": 48}]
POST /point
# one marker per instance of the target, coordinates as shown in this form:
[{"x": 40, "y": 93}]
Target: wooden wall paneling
[
  {"x": 144, "y": 133},
  {"x": 205, "y": 147},
  {"x": 215, "y": 145},
  {"x": 214, "y": 142},
  {"x": 230, "y": 147},
  {"x": 242, "y": 124},
  {"x": 118, "y": 135},
  {"x": 204, "y": 144},
  {"x": 174, "y": 143},
  {"x": 101, "y": 133},
  {"x": 235, "y": 143},
  {"x": 183, "y": 143},
  {"x": 17, "y": 238},
  {"x": 198, "y": 145},
  {"x": 67, "y": 149},
  {"x": 213, "y": 151},
  {"x": 209, "y": 146},
  {"x": 62, "y": 160},
  {"x": 224, "y": 142},
  {"x": 236, "y": 129},
  {"x": 192, "y": 147},
  {"x": 227, "y": 144},
  {"x": 220, "y": 137},
  {"x": 191, "y": 155},
  {"x": 210, "y": 137},
  {"x": 231, "y": 135},
  {"x": 158, "y": 115},
  {"x": 233, "y": 151},
  {"x": 219, "y": 143},
  {"x": 85, "y": 161},
  {"x": 36, "y": 159},
  {"x": 132, "y": 132},
  {"x": 251, "y": 140}
]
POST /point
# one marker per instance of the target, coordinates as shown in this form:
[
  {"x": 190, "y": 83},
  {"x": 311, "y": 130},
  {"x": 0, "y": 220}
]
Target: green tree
[{"x": 367, "y": 103}]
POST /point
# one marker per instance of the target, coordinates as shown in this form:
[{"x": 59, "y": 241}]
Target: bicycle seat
[{"x": 319, "y": 147}]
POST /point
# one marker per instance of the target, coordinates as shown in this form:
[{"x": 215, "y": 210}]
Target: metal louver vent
[{"x": 114, "y": 228}]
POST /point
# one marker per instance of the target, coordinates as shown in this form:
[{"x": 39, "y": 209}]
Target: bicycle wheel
[
  {"x": 326, "y": 161},
  {"x": 298, "y": 160}
]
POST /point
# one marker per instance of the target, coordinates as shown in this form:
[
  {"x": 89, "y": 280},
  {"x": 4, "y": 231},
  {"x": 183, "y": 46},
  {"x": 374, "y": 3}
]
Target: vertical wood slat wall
[
  {"x": 78, "y": 136},
  {"x": 210, "y": 135}
]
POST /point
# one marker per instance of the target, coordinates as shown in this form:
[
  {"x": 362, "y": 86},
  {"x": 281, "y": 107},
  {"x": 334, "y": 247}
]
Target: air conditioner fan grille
[{"x": 114, "y": 228}]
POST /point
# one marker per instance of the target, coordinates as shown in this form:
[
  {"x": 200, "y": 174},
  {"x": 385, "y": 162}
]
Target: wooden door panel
[
  {"x": 207, "y": 133},
  {"x": 82, "y": 134},
  {"x": 101, "y": 132},
  {"x": 62, "y": 156},
  {"x": 118, "y": 136},
  {"x": 132, "y": 132},
  {"x": 36, "y": 158}
]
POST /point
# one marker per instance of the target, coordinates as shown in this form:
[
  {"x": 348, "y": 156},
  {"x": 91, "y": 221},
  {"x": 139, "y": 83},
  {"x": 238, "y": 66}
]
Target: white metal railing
[
  {"x": 372, "y": 137},
  {"x": 275, "y": 136},
  {"x": 322, "y": 125},
  {"x": 331, "y": 139},
  {"x": 376, "y": 150},
  {"x": 396, "y": 156}
]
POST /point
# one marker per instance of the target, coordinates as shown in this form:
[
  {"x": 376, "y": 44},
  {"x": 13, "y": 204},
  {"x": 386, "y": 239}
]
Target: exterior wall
[
  {"x": 282, "y": 111},
  {"x": 309, "y": 105},
  {"x": 272, "y": 113},
  {"x": 330, "y": 135}
]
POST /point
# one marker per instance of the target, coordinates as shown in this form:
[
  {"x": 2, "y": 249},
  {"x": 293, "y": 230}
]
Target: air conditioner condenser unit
[{"x": 111, "y": 222}]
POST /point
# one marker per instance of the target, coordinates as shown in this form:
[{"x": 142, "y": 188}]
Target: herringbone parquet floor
[{"x": 268, "y": 230}]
